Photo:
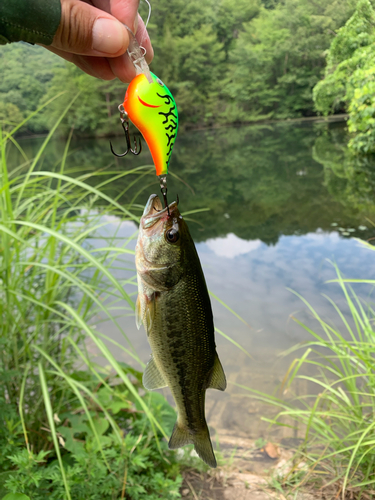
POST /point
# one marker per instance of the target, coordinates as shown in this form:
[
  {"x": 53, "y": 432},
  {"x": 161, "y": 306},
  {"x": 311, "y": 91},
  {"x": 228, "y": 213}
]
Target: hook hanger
[{"x": 164, "y": 190}]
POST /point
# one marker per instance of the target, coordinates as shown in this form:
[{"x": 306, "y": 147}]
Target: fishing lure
[
  {"x": 152, "y": 109},
  {"x": 150, "y": 106}
]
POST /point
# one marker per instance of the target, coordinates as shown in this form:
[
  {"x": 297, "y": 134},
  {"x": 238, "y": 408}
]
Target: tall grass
[
  {"x": 53, "y": 284},
  {"x": 337, "y": 418}
]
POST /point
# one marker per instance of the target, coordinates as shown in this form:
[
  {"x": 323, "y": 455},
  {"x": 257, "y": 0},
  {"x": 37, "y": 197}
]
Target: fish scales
[
  {"x": 172, "y": 341},
  {"x": 174, "y": 305}
]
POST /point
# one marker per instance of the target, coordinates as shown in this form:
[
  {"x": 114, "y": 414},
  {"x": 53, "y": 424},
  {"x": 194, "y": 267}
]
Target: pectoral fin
[
  {"x": 149, "y": 313},
  {"x": 152, "y": 378},
  {"x": 217, "y": 378},
  {"x": 138, "y": 313},
  {"x": 145, "y": 311}
]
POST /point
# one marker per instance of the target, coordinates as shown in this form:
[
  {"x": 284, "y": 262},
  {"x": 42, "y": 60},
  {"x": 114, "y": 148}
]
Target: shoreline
[{"x": 303, "y": 119}]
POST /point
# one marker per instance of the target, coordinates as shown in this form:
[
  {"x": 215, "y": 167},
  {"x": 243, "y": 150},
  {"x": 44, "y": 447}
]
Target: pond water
[{"x": 285, "y": 201}]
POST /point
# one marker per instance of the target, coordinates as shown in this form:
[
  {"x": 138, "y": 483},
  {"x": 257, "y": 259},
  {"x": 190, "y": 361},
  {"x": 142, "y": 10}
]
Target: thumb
[{"x": 89, "y": 31}]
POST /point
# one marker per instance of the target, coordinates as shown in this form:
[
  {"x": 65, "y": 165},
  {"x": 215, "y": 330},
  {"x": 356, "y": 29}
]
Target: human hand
[{"x": 91, "y": 35}]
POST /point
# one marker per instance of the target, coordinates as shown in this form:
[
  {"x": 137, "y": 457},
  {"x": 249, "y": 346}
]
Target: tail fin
[
  {"x": 201, "y": 440},
  {"x": 203, "y": 446}
]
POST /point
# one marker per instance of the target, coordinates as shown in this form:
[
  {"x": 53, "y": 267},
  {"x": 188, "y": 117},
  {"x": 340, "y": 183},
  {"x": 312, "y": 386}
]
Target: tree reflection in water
[{"x": 259, "y": 182}]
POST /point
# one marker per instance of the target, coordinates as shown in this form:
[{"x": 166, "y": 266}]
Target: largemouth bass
[{"x": 174, "y": 306}]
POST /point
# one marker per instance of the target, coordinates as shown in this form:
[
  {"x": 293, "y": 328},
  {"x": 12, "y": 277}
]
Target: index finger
[{"x": 126, "y": 11}]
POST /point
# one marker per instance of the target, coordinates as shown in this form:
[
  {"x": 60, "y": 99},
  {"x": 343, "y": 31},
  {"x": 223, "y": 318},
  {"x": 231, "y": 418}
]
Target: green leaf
[
  {"x": 16, "y": 496},
  {"x": 101, "y": 425}
]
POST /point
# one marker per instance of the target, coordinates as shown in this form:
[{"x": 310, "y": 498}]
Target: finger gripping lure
[{"x": 152, "y": 109}]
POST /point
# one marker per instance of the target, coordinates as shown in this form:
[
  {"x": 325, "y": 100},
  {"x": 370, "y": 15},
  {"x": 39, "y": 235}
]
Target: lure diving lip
[{"x": 152, "y": 109}]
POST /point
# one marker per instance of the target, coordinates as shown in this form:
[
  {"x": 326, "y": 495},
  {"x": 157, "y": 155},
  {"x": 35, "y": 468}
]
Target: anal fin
[
  {"x": 217, "y": 378},
  {"x": 152, "y": 378},
  {"x": 180, "y": 436},
  {"x": 201, "y": 440}
]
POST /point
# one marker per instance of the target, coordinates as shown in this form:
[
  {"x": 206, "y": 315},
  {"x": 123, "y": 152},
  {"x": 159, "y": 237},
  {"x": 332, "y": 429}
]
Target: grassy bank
[
  {"x": 336, "y": 456},
  {"x": 69, "y": 427}
]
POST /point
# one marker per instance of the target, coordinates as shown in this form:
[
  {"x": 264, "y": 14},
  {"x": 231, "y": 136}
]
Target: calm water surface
[{"x": 284, "y": 203}]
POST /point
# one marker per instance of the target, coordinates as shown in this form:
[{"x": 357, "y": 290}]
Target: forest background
[{"x": 225, "y": 61}]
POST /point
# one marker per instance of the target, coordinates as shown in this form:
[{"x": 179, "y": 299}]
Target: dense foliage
[
  {"x": 223, "y": 61},
  {"x": 349, "y": 77},
  {"x": 69, "y": 427},
  {"x": 98, "y": 465},
  {"x": 278, "y": 57}
]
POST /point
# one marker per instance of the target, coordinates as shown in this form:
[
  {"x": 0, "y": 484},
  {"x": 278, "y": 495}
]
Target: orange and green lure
[{"x": 152, "y": 109}]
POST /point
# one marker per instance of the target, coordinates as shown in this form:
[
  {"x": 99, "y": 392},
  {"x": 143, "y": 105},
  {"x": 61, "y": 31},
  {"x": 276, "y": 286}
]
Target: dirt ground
[
  {"x": 236, "y": 429},
  {"x": 248, "y": 467},
  {"x": 246, "y": 474},
  {"x": 238, "y": 486}
]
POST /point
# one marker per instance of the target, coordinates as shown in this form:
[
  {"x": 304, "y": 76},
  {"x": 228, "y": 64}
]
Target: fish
[
  {"x": 174, "y": 306},
  {"x": 152, "y": 109}
]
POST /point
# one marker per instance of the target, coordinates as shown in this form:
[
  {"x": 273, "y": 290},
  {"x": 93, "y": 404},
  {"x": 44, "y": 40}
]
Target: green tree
[
  {"x": 344, "y": 56},
  {"x": 349, "y": 77},
  {"x": 278, "y": 58},
  {"x": 10, "y": 114},
  {"x": 25, "y": 76},
  {"x": 223, "y": 60},
  {"x": 362, "y": 107},
  {"x": 230, "y": 18}
]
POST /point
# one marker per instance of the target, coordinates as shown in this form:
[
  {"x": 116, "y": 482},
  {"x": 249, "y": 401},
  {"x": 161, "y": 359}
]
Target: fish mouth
[
  {"x": 155, "y": 212},
  {"x": 154, "y": 207}
]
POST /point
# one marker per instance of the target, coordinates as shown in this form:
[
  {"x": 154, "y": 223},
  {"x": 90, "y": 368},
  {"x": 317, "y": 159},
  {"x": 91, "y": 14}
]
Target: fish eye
[
  {"x": 172, "y": 236},
  {"x": 160, "y": 82}
]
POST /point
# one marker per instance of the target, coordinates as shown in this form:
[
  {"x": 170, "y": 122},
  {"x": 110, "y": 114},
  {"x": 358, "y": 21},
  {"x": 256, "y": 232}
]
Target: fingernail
[{"x": 108, "y": 36}]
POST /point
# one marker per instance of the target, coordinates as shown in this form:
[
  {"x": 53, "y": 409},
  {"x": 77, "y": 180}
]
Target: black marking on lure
[
  {"x": 169, "y": 118},
  {"x": 171, "y": 126},
  {"x": 170, "y": 137},
  {"x": 168, "y": 114},
  {"x": 168, "y": 97}
]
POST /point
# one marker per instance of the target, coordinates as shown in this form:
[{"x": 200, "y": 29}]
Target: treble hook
[{"x": 125, "y": 126}]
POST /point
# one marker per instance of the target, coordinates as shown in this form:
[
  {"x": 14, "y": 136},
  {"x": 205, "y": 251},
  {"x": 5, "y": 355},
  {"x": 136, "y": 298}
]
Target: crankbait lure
[{"x": 151, "y": 108}]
